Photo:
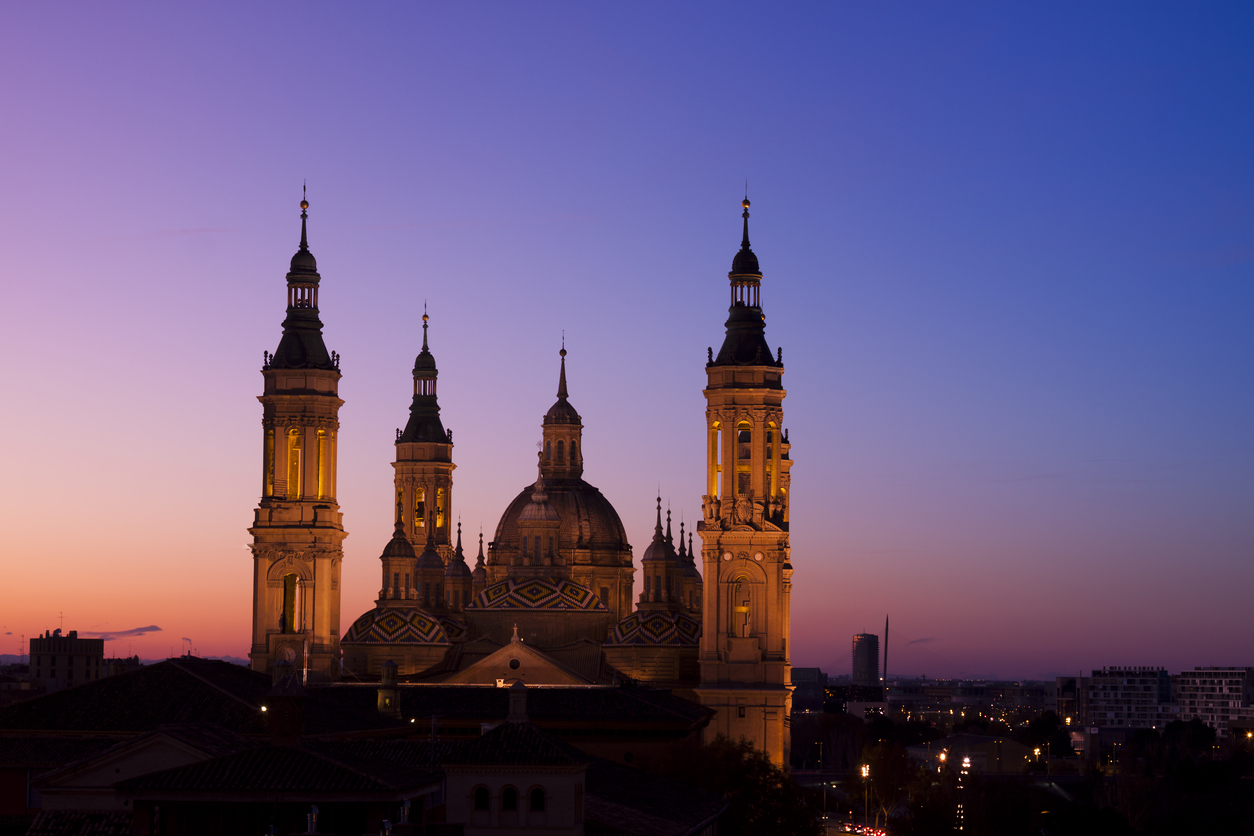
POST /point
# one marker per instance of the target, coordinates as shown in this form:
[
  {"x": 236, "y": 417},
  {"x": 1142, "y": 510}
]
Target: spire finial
[
  {"x": 425, "y": 318},
  {"x": 657, "y": 529},
  {"x": 744, "y": 241},
  {"x": 400, "y": 517},
  {"x": 304, "y": 216},
  {"x": 670, "y": 538},
  {"x": 479, "y": 560},
  {"x": 561, "y": 381}
]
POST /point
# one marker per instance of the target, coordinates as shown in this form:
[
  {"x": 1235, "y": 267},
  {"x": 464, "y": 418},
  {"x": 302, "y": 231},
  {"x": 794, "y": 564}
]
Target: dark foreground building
[{"x": 192, "y": 746}]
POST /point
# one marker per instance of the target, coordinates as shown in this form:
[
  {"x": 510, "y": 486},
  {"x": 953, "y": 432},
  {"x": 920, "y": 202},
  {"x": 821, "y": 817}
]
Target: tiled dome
[
  {"x": 399, "y": 624},
  {"x": 658, "y": 628},
  {"x": 538, "y": 594},
  {"x": 588, "y": 518}
]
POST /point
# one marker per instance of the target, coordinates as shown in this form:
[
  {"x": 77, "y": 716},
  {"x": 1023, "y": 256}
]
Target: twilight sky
[{"x": 1008, "y": 253}]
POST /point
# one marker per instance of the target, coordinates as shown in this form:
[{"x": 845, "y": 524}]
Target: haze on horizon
[{"x": 1008, "y": 254}]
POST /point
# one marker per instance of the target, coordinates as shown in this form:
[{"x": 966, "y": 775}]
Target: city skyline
[{"x": 1008, "y": 257}]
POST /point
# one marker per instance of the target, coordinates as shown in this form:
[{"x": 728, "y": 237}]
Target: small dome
[
  {"x": 538, "y": 509},
  {"x": 745, "y": 262},
  {"x": 561, "y": 413},
  {"x": 424, "y": 362},
  {"x": 304, "y": 262},
  {"x": 396, "y": 625},
  {"x": 457, "y": 569},
  {"x": 659, "y": 550},
  {"x": 398, "y": 546},
  {"x": 480, "y": 574},
  {"x": 430, "y": 558}
]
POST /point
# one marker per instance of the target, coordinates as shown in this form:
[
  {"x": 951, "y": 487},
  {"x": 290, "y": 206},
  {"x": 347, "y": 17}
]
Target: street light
[{"x": 866, "y": 803}]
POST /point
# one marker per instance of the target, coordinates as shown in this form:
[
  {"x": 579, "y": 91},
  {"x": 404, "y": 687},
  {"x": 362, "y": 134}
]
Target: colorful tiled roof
[
  {"x": 538, "y": 594},
  {"x": 658, "y": 627},
  {"x": 396, "y": 625}
]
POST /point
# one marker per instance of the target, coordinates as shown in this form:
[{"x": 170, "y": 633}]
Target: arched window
[
  {"x": 481, "y": 798},
  {"x": 744, "y": 458},
  {"x": 509, "y": 799},
  {"x": 420, "y": 508},
  {"x": 323, "y": 463},
  {"x": 268, "y": 465},
  {"x": 289, "y": 619},
  {"x": 293, "y": 463},
  {"x": 741, "y": 607},
  {"x": 561, "y": 451},
  {"x": 537, "y": 800},
  {"x": 548, "y": 451},
  {"x": 439, "y": 507},
  {"x": 573, "y": 457}
]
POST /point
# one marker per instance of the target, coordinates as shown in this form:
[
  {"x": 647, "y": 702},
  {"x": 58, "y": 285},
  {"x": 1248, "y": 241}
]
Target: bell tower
[
  {"x": 747, "y": 585},
  {"x": 424, "y": 467},
  {"x": 297, "y": 527}
]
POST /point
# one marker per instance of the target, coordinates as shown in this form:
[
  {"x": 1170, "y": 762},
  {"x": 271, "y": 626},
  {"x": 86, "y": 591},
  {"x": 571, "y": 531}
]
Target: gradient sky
[{"x": 1008, "y": 253}]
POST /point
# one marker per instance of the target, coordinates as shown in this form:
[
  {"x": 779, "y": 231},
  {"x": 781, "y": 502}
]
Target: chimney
[
  {"x": 389, "y": 693},
  {"x": 517, "y": 703}
]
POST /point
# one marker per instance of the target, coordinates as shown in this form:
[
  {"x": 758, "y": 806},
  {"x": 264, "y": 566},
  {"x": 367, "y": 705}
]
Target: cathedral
[{"x": 549, "y": 599}]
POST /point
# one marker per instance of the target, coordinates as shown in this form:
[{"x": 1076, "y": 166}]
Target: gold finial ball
[
  {"x": 562, "y": 353},
  {"x": 304, "y": 204},
  {"x": 424, "y": 319},
  {"x": 745, "y": 203}
]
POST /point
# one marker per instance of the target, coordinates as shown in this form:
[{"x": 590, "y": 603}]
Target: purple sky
[{"x": 1008, "y": 253}]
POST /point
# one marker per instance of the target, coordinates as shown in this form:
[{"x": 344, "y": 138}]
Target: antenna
[{"x": 885, "y": 660}]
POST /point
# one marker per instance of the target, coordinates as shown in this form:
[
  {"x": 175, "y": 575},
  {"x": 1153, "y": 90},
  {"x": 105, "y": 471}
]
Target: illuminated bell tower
[
  {"x": 424, "y": 466},
  {"x": 298, "y": 528},
  {"x": 747, "y": 586}
]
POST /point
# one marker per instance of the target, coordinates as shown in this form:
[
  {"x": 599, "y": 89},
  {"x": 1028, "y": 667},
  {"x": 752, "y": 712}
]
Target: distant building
[
  {"x": 866, "y": 660},
  {"x": 125, "y": 664},
  {"x": 1219, "y": 697},
  {"x": 809, "y": 689},
  {"x": 58, "y": 661},
  {"x": 1130, "y": 697},
  {"x": 1072, "y": 699}
]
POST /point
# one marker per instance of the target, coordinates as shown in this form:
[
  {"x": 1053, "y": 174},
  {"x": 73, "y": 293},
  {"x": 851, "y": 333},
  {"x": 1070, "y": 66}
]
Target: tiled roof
[
  {"x": 296, "y": 770},
  {"x": 411, "y": 753},
  {"x": 538, "y": 594},
  {"x": 80, "y": 823},
  {"x": 658, "y": 628},
  {"x": 622, "y": 800},
  {"x": 35, "y": 751},
  {"x": 181, "y": 691},
  {"x": 396, "y": 624},
  {"x": 517, "y": 744},
  {"x": 545, "y": 706},
  {"x": 174, "y": 691}
]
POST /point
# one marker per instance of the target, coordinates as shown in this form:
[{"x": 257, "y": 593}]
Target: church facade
[{"x": 550, "y": 601}]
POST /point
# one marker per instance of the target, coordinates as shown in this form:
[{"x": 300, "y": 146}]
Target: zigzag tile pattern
[
  {"x": 657, "y": 628},
  {"x": 538, "y": 594},
  {"x": 396, "y": 625}
]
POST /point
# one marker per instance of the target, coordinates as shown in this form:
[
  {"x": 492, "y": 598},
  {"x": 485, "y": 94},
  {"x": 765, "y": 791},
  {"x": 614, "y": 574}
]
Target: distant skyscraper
[{"x": 866, "y": 660}]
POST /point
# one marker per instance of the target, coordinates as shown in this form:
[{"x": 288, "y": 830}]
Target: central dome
[{"x": 588, "y": 520}]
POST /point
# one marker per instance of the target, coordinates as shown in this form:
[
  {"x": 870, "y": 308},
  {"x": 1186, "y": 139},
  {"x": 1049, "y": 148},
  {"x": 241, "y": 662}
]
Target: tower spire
[
  {"x": 561, "y": 380},
  {"x": 744, "y": 241},
  {"x": 304, "y": 216},
  {"x": 425, "y": 319}
]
